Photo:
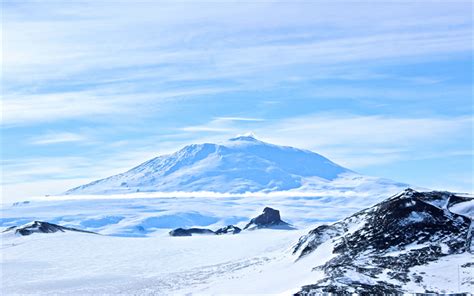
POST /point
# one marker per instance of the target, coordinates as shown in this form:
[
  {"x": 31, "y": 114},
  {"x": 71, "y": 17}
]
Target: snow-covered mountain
[
  {"x": 241, "y": 164},
  {"x": 393, "y": 247}
]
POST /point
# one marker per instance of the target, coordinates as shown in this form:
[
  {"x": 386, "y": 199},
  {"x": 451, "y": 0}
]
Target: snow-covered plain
[
  {"x": 75, "y": 263},
  {"x": 134, "y": 254},
  {"x": 129, "y": 260},
  {"x": 140, "y": 214}
]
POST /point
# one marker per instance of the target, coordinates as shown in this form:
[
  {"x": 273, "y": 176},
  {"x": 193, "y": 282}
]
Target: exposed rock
[
  {"x": 316, "y": 237},
  {"x": 356, "y": 288},
  {"x": 42, "y": 227},
  {"x": 407, "y": 230},
  {"x": 270, "y": 218},
  {"x": 190, "y": 231},
  {"x": 9, "y": 229},
  {"x": 18, "y": 203},
  {"x": 230, "y": 229}
]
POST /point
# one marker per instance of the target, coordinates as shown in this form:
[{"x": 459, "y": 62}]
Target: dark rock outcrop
[
  {"x": 42, "y": 227},
  {"x": 19, "y": 203},
  {"x": 270, "y": 218},
  {"x": 230, "y": 229},
  {"x": 407, "y": 230},
  {"x": 357, "y": 288},
  {"x": 190, "y": 231}
]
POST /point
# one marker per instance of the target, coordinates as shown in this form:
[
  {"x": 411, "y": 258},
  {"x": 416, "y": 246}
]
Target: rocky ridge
[
  {"x": 376, "y": 249},
  {"x": 42, "y": 227}
]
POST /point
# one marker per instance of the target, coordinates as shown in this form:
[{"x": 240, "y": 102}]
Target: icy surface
[
  {"x": 465, "y": 208},
  {"x": 140, "y": 214},
  {"x": 72, "y": 264},
  {"x": 135, "y": 254}
]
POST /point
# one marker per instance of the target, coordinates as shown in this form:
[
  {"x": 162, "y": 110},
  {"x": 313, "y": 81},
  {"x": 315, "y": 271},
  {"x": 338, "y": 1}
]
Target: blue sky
[{"x": 90, "y": 89}]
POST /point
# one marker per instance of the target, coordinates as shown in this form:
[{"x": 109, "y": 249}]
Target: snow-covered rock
[
  {"x": 270, "y": 218},
  {"x": 229, "y": 229},
  {"x": 190, "y": 231},
  {"x": 239, "y": 165},
  {"x": 41, "y": 227},
  {"x": 377, "y": 249}
]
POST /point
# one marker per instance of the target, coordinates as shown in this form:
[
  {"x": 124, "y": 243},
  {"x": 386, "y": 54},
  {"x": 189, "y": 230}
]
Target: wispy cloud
[
  {"x": 356, "y": 141},
  {"x": 77, "y": 46},
  {"x": 239, "y": 119},
  {"x": 205, "y": 128},
  {"x": 355, "y": 130},
  {"x": 222, "y": 124},
  {"x": 359, "y": 141},
  {"x": 27, "y": 109},
  {"x": 56, "y": 138}
]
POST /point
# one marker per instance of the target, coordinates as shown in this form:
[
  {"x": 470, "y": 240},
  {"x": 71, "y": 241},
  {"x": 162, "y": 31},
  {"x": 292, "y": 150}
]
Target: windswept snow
[
  {"x": 71, "y": 264},
  {"x": 135, "y": 254},
  {"x": 140, "y": 214},
  {"x": 465, "y": 208}
]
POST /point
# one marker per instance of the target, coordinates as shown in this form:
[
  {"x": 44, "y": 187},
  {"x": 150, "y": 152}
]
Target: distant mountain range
[{"x": 239, "y": 165}]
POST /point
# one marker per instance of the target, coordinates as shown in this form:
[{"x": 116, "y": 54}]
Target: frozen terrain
[
  {"x": 129, "y": 259},
  {"x": 72, "y": 263},
  {"x": 141, "y": 214},
  {"x": 336, "y": 230},
  {"x": 210, "y": 185},
  {"x": 391, "y": 247}
]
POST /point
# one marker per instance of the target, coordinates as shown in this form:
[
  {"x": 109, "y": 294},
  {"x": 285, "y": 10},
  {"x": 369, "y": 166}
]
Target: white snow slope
[
  {"x": 239, "y": 165},
  {"x": 128, "y": 260},
  {"x": 75, "y": 263},
  {"x": 120, "y": 262}
]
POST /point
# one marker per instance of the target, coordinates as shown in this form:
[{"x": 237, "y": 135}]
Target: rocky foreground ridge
[{"x": 377, "y": 249}]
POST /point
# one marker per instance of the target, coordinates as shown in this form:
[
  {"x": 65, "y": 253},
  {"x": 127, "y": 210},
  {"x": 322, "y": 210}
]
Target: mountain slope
[
  {"x": 389, "y": 248},
  {"x": 242, "y": 164}
]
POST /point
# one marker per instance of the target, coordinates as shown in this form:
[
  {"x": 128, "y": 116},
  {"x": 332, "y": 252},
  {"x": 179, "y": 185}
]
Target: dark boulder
[
  {"x": 190, "y": 231},
  {"x": 270, "y": 218},
  {"x": 230, "y": 229}
]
